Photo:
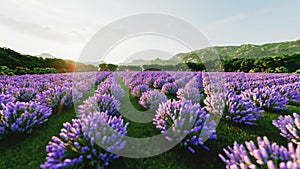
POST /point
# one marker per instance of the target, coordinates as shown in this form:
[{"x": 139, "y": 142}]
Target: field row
[{"x": 194, "y": 109}]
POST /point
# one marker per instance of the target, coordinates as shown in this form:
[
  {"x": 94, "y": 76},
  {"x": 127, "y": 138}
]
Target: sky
[{"x": 64, "y": 27}]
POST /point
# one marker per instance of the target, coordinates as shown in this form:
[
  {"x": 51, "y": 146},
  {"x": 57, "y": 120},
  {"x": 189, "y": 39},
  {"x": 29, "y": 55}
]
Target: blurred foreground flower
[
  {"x": 261, "y": 155},
  {"x": 289, "y": 127}
]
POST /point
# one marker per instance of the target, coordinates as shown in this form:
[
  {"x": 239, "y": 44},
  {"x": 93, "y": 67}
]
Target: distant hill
[
  {"x": 247, "y": 51},
  {"x": 156, "y": 61},
  {"x": 15, "y": 61},
  {"x": 228, "y": 52},
  {"x": 46, "y": 55},
  {"x": 136, "y": 62}
]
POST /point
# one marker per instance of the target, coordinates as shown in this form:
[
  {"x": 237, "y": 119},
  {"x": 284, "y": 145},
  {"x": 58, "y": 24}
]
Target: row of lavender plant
[
  {"x": 88, "y": 142},
  {"x": 27, "y": 101},
  {"x": 179, "y": 120},
  {"x": 265, "y": 154},
  {"x": 268, "y": 92},
  {"x": 247, "y": 96},
  {"x": 243, "y": 100},
  {"x": 224, "y": 96}
]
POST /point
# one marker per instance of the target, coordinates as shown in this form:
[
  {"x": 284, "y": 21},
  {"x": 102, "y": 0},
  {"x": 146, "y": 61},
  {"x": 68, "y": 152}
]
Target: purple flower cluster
[
  {"x": 111, "y": 87},
  {"x": 100, "y": 103},
  {"x": 26, "y": 94},
  {"x": 289, "y": 127},
  {"x": 290, "y": 91},
  {"x": 182, "y": 120},
  {"x": 152, "y": 98},
  {"x": 189, "y": 93},
  {"x": 56, "y": 96},
  {"x": 215, "y": 97},
  {"x": 21, "y": 117},
  {"x": 262, "y": 155},
  {"x": 170, "y": 88},
  {"x": 267, "y": 98},
  {"x": 53, "y": 90},
  {"x": 158, "y": 84},
  {"x": 195, "y": 82},
  {"x": 4, "y": 99},
  {"x": 107, "y": 131},
  {"x": 134, "y": 83},
  {"x": 241, "y": 110},
  {"x": 138, "y": 90},
  {"x": 76, "y": 145},
  {"x": 90, "y": 141}
]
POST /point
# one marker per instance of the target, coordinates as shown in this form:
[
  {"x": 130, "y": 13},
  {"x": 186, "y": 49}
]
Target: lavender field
[{"x": 240, "y": 120}]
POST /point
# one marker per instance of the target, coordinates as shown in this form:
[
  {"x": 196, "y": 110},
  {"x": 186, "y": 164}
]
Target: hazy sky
[{"x": 63, "y": 27}]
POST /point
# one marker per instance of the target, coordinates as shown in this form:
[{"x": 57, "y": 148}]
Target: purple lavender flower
[
  {"x": 135, "y": 82},
  {"x": 57, "y": 96},
  {"x": 289, "y": 127},
  {"x": 76, "y": 147},
  {"x": 215, "y": 103},
  {"x": 175, "y": 119},
  {"x": 170, "y": 79},
  {"x": 169, "y": 88},
  {"x": 138, "y": 90},
  {"x": 191, "y": 94},
  {"x": 26, "y": 94},
  {"x": 112, "y": 89},
  {"x": 241, "y": 110},
  {"x": 48, "y": 98},
  {"x": 264, "y": 154},
  {"x": 21, "y": 117},
  {"x": 108, "y": 131},
  {"x": 4, "y": 99},
  {"x": 100, "y": 103},
  {"x": 267, "y": 98},
  {"x": 159, "y": 83},
  {"x": 290, "y": 91},
  {"x": 152, "y": 98}
]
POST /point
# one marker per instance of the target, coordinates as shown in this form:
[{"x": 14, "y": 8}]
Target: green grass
[{"x": 28, "y": 151}]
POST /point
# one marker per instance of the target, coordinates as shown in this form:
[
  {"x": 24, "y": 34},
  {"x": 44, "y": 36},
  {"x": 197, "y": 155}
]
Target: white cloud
[{"x": 40, "y": 31}]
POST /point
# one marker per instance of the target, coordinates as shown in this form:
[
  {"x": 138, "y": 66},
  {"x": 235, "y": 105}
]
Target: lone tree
[{"x": 107, "y": 67}]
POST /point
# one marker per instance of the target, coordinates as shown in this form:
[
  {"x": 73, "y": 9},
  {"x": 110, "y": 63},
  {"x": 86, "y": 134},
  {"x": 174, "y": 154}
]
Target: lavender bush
[
  {"x": 169, "y": 88},
  {"x": 152, "y": 98},
  {"x": 21, "y": 117},
  {"x": 57, "y": 96},
  {"x": 112, "y": 89},
  {"x": 159, "y": 83},
  {"x": 76, "y": 148},
  {"x": 241, "y": 110},
  {"x": 26, "y": 94},
  {"x": 289, "y": 127},
  {"x": 267, "y": 98},
  {"x": 100, "y": 103},
  {"x": 175, "y": 119},
  {"x": 4, "y": 99},
  {"x": 138, "y": 90},
  {"x": 262, "y": 155},
  {"x": 189, "y": 93}
]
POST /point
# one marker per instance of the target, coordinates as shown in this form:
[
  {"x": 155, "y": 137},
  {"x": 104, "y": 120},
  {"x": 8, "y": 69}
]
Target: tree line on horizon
[
  {"x": 275, "y": 64},
  {"x": 14, "y": 63}
]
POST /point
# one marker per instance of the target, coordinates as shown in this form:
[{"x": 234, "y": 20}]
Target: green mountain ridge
[{"x": 248, "y": 51}]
